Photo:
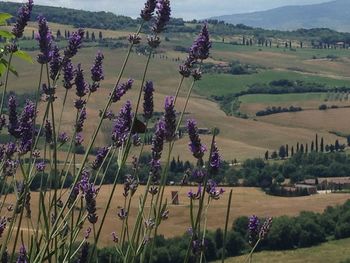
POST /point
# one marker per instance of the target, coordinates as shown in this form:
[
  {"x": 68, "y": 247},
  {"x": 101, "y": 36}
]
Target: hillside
[{"x": 334, "y": 15}]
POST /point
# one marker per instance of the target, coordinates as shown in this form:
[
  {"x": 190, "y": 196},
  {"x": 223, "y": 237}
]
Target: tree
[
  {"x": 337, "y": 146},
  {"x": 302, "y": 148},
  {"x": 274, "y": 155},
  {"x": 316, "y": 142},
  {"x": 219, "y": 238},
  {"x": 322, "y": 145},
  {"x": 298, "y": 147},
  {"x": 266, "y": 155},
  {"x": 100, "y": 36},
  {"x": 282, "y": 152},
  {"x": 33, "y": 34},
  {"x": 58, "y": 34},
  {"x": 307, "y": 148},
  {"x": 93, "y": 38},
  {"x": 87, "y": 35},
  {"x": 312, "y": 146},
  {"x": 280, "y": 179},
  {"x": 292, "y": 151},
  {"x": 287, "y": 150}
]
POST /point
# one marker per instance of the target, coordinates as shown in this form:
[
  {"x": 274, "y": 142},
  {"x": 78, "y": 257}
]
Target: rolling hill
[{"x": 334, "y": 15}]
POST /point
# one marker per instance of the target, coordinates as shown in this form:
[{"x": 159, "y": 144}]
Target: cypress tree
[
  {"x": 322, "y": 145},
  {"x": 316, "y": 142}
]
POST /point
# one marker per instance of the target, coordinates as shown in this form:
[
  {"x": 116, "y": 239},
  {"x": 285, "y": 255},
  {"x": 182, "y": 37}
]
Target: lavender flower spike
[
  {"x": 170, "y": 118},
  {"x": 23, "y": 16},
  {"x": 196, "y": 147},
  {"x": 101, "y": 155},
  {"x": 80, "y": 83},
  {"x": 74, "y": 43},
  {"x": 25, "y": 127},
  {"x": 122, "y": 125},
  {"x": 97, "y": 71},
  {"x": 13, "y": 118},
  {"x": 163, "y": 16},
  {"x": 22, "y": 255},
  {"x": 215, "y": 159},
  {"x": 157, "y": 149},
  {"x": 90, "y": 193},
  {"x": 148, "y": 104},
  {"x": 80, "y": 123},
  {"x": 55, "y": 63},
  {"x": 201, "y": 46},
  {"x": 147, "y": 12},
  {"x": 253, "y": 228},
  {"x": 44, "y": 38},
  {"x": 68, "y": 74},
  {"x": 120, "y": 91}
]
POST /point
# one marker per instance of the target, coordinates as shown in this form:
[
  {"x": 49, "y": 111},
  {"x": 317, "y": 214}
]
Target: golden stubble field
[{"x": 245, "y": 202}]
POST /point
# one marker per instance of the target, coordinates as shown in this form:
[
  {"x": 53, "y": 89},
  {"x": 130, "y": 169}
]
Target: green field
[
  {"x": 280, "y": 98},
  {"x": 330, "y": 252},
  {"x": 221, "y": 84}
]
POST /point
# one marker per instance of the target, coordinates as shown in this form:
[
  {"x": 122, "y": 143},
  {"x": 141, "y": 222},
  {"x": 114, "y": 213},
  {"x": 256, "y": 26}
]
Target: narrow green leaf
[
  {"x": 24, "y": 56},
  {"x": 4, "y": 17},
  {"x": 6, "y": 34}
]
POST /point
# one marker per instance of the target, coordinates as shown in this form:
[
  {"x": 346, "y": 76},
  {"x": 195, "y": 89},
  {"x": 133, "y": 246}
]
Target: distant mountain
[{"x": 334, "y": 15}]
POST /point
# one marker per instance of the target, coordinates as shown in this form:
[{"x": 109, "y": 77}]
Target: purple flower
[
  {"x": 48, "y": 91},
  {"x": 101, "y": 155},
  {"x": 84, "y": 256},
  {"x": 130, "y": 185},
  {"x": 3, "y": 222},
  {"x": 197, "y": 195},
  {"x": 170, "y": 118},
  {"x": 134, "y": 39},
  {"x": 22, "y": 255},
  {"x": 184, "y": 70},
  {"x": 147, "y": 12},
  {"x": 23, "y": 16},
  {"x": 121, "y": 90},
  {"x": 215, "y": 158},
  {"x": 201, "y": 46},
  {"x": 2, "y": 122},
  {"x": 122, "y": 214},
  {"x": 25, "y": 126},
  {"x": 90, "y": 192},
  {"x": 63, "y": 138},
  {"x": 10, "y": 167},
  {"x": 48, "y": 131},
  {"x": 80, "y": 83},
  {"x": 73, "y": 195},
  {"x": 153, "y": 41},
  {"x": 122, "y": 125},
  {"x": 87, "y": 233},
  {"x": 80, "y": 122},
  {"x": 55, "y": 63},
  {"x": 196, "y": 147},
  {"x": 115, "y": 238},
  {"x": 148, "y": 104},
  {"x": 198, "y": 175},
  {"x": 68, "y": 74},
  {"x": 74, "y": 43},
  {"x": 265, "y": 228},
  {"x": 78, "y": 139},
  {"x": 79, "y": 103},
  {"x": 13, "y": 118},
  {"x": 136, "y": 140},
  {"x": 163, "y": 15},
  {"x": 153, "y": 190},
  {"x": 10, "y": 149},
  {"x": 44, "y": 37},
  {"x": 212, "y": 190},
  {"x": 253, "y": 228},
  {"x": 196, "y": 74},
  {"x": 97, "y": 70},
  {"x": 198, "y": 246},
  {"x": 157, "y": 148},
  {"x": 40, "y": 167}
]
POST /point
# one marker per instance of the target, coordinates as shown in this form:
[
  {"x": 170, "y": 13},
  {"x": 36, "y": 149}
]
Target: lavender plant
[{"x": 59, "y": 234}]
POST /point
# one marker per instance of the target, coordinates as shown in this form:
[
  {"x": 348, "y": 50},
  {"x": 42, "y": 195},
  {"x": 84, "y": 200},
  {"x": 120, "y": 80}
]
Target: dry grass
[
  {"x": 246, "y": 201},
  {"x": 330, "y": 120}
]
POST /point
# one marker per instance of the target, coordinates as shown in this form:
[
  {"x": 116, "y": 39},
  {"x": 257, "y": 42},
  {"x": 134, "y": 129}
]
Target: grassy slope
[{"x": 333, "y": 251}]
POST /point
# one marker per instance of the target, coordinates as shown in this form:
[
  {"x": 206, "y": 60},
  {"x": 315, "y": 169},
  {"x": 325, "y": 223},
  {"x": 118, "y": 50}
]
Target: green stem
[
  {"x": 226, "y": 227},
  {"x": 6, "y": 83}
]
